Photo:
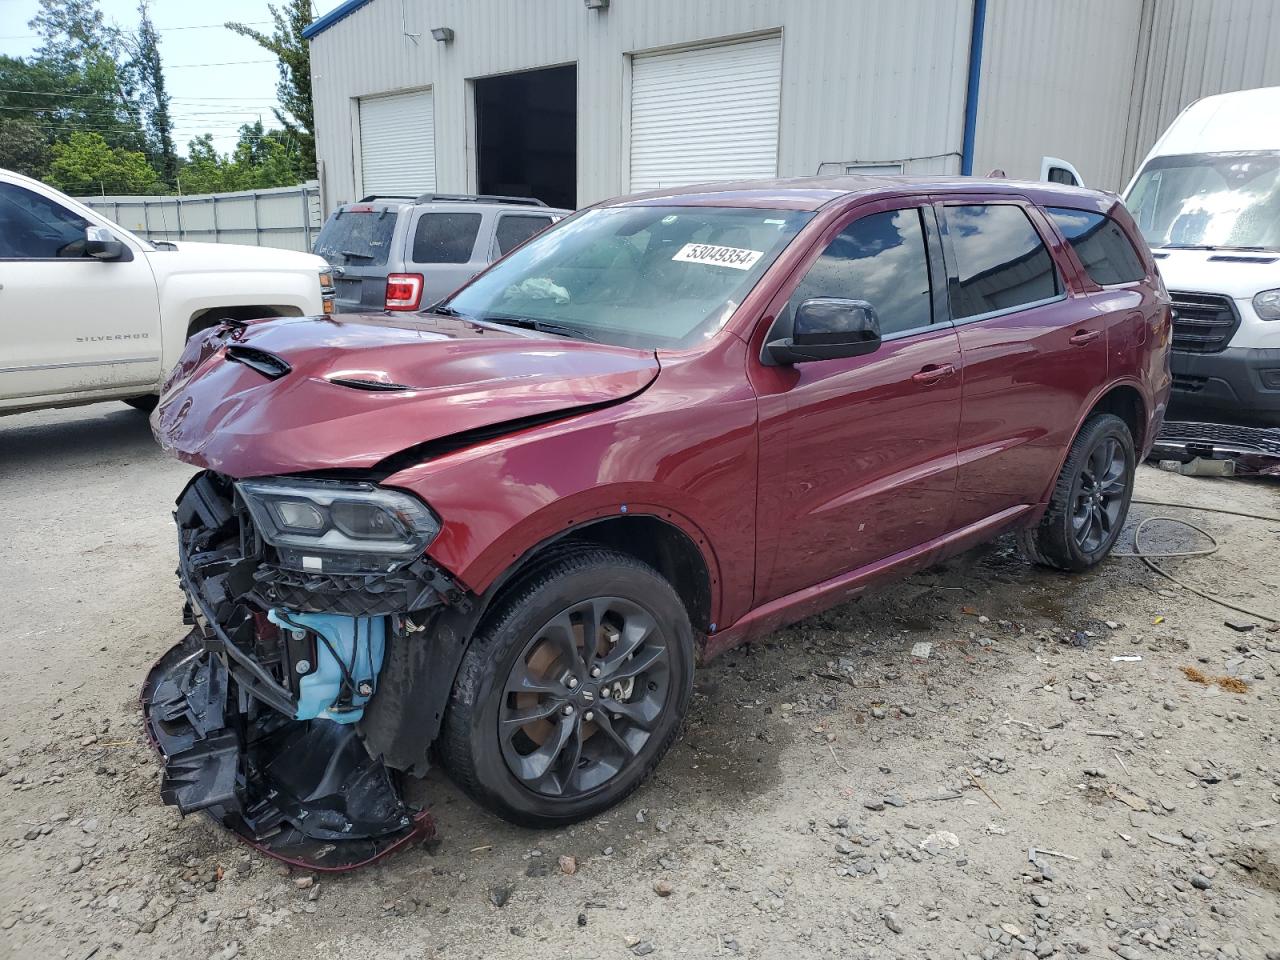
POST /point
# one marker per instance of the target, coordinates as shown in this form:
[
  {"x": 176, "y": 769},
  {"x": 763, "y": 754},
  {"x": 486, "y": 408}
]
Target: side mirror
[
  {"x": 101, "y": 244},
  {"x": 827, "y": 328}
]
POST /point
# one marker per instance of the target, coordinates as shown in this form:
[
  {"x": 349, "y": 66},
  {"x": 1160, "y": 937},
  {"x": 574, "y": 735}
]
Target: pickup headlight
[
  {"x": 337, "y": 526},
  {"x": 1267, "y": 304}
]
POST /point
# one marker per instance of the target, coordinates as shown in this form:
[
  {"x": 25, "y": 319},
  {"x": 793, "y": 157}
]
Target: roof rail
[
  {"x": 385, "y": 196},
  {"x": 480, "y": 198}
]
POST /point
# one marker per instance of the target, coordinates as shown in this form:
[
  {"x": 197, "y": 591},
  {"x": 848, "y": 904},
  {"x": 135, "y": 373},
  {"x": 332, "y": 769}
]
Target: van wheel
[
  {"x": 571, "y": 691},
  {"x": 145, "y": 403},
  {"x": 1090, "y": 500}
]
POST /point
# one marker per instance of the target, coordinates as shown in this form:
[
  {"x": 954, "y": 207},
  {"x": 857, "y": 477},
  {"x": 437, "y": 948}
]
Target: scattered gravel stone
[
  {"x": 892, "y": 922},
  {"x": 663, "y": 888}
]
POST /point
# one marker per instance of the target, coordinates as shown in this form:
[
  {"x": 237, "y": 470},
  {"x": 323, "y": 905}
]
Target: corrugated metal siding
[
  {"x": 1056, "y": 80},
  {"x": 1196, "y": 48},
  {"x": 862, "y": 81},
  {"x": 710, "y": 113},
  {"x": 397, "y": 144}
]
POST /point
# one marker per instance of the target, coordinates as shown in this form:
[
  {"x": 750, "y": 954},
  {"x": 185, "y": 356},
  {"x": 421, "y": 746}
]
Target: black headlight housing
[{"x": 338, "y": 526}]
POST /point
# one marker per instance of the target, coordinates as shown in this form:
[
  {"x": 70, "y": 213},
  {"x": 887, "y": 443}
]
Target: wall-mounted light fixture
[
  {"x": 442, "y": 34},
  {"x": 596, "y": 4}
]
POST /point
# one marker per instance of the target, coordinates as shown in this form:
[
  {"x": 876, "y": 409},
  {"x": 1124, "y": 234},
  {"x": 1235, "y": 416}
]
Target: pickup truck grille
[{"x": 1203, "y": 322}]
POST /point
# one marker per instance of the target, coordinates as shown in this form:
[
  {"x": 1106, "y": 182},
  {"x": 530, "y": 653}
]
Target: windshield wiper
[
  {"x": 445, "y": 310},
  {"x": 351, "y": 253},
  {"x": 542, "y": 326},
  {"x": 1209, "y": 246}
]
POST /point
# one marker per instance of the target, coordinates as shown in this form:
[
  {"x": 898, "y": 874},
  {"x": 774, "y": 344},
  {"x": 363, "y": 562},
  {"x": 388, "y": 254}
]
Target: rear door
[
  {"x": 858, "y": 455},
  {"x": 359, "y": 242},
  {"x": 1034, "y": 349},
  {"x": 447, "y": 247}
]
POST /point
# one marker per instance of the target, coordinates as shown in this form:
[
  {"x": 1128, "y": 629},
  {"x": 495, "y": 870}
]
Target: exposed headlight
[
  {"x": 1267, "y": 304},
  {"x": 338, "y": 526}
]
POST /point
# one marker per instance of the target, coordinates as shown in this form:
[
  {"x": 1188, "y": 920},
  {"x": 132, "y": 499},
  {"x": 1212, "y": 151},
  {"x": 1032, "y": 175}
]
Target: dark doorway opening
[{"x": 527, "y": 135}]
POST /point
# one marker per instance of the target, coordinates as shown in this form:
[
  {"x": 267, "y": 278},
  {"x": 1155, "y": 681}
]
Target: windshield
[
  {"x": 1209, "y": 200},
  {"x": 649, "y": 277},
  {"x": 357, "y": 237}
]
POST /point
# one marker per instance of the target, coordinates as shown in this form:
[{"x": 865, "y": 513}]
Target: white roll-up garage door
[
  {"x": 709, "y": 113},
  {"x": 398, "y": 144}
]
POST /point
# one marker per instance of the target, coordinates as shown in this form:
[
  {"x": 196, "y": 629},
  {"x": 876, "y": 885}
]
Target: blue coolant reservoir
[{"x": 359, "y": 641}]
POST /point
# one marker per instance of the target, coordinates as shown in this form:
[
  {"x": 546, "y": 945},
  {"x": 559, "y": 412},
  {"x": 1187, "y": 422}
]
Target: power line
[
  {"x": 96, "y": 96},
  {"x": 194, "y": 26}
]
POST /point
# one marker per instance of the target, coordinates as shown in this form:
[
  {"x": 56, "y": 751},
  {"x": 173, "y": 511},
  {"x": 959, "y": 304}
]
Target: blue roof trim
[{"x": 340, "y": 12}]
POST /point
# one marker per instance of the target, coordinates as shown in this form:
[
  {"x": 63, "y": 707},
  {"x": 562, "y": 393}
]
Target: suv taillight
[{"x": 404, "y": 291}]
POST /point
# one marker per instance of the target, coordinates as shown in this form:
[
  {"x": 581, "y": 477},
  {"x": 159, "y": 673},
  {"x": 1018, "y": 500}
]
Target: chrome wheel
[
  {"x": 1099, "y": 498},
  {"x": 583, "y": 697}
]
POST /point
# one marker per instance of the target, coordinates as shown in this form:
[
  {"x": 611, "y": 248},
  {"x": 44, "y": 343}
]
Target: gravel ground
[{"x": 956, "y": 766}]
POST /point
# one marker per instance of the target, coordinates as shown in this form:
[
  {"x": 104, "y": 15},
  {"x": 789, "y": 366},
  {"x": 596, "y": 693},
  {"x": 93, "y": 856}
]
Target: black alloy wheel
[
  {"x": 1090, "y": 499},
  {"x": 571, "y": 691}
]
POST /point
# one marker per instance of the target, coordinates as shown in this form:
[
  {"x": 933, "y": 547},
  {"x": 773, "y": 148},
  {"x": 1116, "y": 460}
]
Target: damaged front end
[{"x": 266, "y": 715}]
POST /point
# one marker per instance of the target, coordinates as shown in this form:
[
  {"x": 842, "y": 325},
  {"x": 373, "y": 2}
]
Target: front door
[
  {"x": 1034, "y": 351},
  {"x": 70, "y": 323},
  {"x": 858, "y": 455}
]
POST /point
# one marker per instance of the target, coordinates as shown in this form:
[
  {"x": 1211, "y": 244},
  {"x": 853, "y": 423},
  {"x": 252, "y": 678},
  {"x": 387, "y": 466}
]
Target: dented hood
[{"x": 297, "y": 394}]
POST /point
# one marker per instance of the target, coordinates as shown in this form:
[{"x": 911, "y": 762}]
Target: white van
[{"x": 1207, "y": 199}]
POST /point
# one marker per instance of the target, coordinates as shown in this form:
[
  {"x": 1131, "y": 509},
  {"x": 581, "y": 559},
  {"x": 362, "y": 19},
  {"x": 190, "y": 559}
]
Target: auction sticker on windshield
[{"x": 736, "y": 257}]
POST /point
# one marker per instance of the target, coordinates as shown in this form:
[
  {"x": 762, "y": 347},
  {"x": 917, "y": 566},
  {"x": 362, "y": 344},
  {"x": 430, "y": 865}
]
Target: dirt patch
[{"x": 821, "y": 803}]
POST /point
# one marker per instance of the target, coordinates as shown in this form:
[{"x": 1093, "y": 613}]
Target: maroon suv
[{"x": 508, "y": 527}]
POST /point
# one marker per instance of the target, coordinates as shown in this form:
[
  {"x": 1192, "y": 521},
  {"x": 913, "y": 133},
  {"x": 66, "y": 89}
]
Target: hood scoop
[
  {"x": 373, "y": 386},
  {"x": 267, "y": 364}
]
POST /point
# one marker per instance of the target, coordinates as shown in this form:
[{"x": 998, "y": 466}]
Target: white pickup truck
[{"x": 90, "y": 312}]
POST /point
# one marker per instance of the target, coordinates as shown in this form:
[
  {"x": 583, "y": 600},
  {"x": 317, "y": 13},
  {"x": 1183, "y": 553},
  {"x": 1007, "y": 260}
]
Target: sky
[{"x": 217, "y": 80}]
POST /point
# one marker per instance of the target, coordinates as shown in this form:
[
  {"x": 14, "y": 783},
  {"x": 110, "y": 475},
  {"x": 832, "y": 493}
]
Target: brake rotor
[{"x": 544, "y": 663}]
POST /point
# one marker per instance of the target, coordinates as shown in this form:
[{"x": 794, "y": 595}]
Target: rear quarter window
[
  {"x": 445, "y": 237},
  {"x": 1101, "y": 244},
  {"x": 515, "y": 229},
  {"x": 357, "y": 237}
]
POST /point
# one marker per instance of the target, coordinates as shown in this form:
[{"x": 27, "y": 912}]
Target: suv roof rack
[
  {"x": 456, "y": 197},
  {"x": 480, "y": 198}
]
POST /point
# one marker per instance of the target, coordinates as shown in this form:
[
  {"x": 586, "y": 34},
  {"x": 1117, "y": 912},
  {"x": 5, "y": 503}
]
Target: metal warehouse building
[{"x": 574, "y": 101}]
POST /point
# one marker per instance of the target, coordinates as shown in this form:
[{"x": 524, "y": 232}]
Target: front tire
[
  {"x": 572, "y": 690},
  {"x": 1090, "y": 500},
  {"x": 146, "y": 403}
]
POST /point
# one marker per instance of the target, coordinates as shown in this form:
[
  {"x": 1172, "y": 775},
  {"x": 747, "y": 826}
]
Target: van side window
[
  {"x": 445, "y": 237},
  {"x": 882, "y": 259},
  {"x": 1100, "y": 243},
  {"x": 1003, "y": 263}
]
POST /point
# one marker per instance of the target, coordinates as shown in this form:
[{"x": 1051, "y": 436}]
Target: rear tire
[
  {"x": 1090, "y": 499},
  {"x": 600, "y": 715},
  {"x": 145, "y": 403}
]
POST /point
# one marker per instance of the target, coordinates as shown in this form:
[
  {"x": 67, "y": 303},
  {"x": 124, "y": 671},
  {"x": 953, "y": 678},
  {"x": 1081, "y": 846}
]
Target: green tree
[
  {"x": 86, "y": 164},
  {"x": 294, "y": 87},
  {"x": 23, "y": 147},
  {"x": 147, "y": 67}
]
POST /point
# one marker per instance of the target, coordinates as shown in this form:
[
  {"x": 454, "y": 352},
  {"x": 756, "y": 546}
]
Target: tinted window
[
  {"x": 881, "y": 259},
  {"x": 1101, "y": 245},
  {"x": 359, "y": 238},
  {"x": 513, "y": 230},
  {"x": 1063, "y": 176},
  {"x": 32, "y": 226},
  {"x": 1001, "y": 259},
  {"x": 445, "y": 237}
]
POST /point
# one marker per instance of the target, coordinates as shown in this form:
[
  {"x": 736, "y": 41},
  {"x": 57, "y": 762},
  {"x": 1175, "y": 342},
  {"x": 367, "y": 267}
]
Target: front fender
[{"x": 685, "y": 451}]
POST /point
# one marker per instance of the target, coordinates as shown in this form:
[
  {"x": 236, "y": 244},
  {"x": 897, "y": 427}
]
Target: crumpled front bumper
[
  {"x": 224, "y": 707},
  {"x": 307, "y": 793}
]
